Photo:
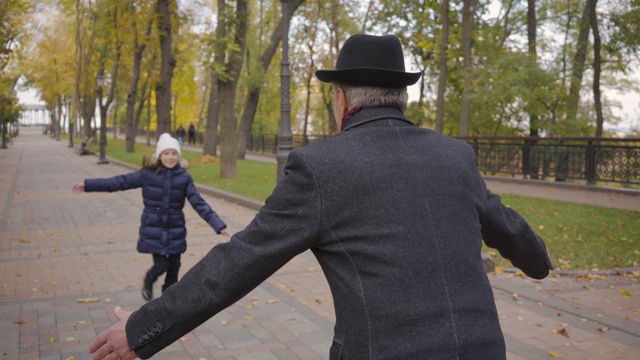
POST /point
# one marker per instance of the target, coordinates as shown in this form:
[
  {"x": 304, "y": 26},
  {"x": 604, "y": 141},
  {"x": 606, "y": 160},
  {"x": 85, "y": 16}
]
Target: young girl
[{"x": 165, "y": 185}]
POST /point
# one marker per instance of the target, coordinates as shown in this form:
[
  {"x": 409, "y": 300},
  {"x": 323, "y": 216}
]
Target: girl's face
[{"x": 169, "y": 158}]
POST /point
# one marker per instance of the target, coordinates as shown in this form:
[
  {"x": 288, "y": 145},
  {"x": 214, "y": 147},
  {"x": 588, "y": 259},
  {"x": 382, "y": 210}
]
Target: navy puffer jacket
[{"x": 162, "y": 225}]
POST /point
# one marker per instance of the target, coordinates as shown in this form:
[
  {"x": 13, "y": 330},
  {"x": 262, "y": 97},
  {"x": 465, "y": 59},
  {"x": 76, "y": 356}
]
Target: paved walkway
[{"x": 67, "y": 259}]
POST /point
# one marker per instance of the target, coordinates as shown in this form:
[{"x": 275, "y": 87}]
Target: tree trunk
[
  {"x": 213, "y": 108},
  {"x": 468, "y": 10},
  {"x": 227, "y": 86},
  {"x": 211, "y": 128},
  {"x": 104, "y": 108},
  {"x": 130, "y": 123},
  {"x": 167, "y": 64},
  {"x": 578, "y": 64},
  {"x": 228, "y": 145},
  {"x": 130, "y": 135},
  {"x": 116, "y": 105},
  {"x": 442, "y": 77},
  {"x": 84, "y": 97},
  {"x": 596, "y": 69},
  {"x": 145, "y": 96},
  {"x": 246, "y": 121},
  {"x": 532, "y": 25}
]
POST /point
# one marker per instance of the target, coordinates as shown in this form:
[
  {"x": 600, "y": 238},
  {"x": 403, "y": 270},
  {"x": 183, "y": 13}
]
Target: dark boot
[{"x": 147, "y": 289}]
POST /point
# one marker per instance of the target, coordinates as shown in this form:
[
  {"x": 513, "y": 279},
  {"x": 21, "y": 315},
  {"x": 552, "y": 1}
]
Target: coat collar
[{"x": 365, "y": 116}]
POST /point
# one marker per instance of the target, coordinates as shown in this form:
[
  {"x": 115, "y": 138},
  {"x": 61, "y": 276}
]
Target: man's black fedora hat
[{"x": 370, "y": 60}]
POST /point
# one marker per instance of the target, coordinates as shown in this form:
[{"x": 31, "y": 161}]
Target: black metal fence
[
  {"x": 560, "y": 159},
  {"x": 557, "y": 159}
]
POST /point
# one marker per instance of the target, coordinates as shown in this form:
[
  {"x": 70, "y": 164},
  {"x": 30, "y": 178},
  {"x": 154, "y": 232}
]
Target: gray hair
[{"x": 375, "y": 96}]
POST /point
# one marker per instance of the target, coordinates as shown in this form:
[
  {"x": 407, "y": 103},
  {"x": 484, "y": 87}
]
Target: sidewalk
[{"x": 66, "y": 260}]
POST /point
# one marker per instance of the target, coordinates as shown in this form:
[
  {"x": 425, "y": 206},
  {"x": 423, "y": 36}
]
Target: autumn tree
[
  {"x": 256, "y": 81},
  {"x": 579, "y": 59},
  {"x": 110, "y": 52},
  {"x": 139, "y": 12},
  {"x": 14, "y": 15},
  {"x": 49, "y": 65}
]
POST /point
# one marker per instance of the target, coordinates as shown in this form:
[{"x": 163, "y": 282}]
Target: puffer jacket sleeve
[
  {"x": 202, "y": 208},
  {"x": 117, "y": 183},
  {"x": 507, "y": 231}
]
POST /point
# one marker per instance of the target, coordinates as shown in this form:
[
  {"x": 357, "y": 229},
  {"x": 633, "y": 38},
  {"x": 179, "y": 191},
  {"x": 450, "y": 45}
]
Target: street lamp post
[
  {"x": 103, "y": 119},
  {"x": 285, "y": 144}
]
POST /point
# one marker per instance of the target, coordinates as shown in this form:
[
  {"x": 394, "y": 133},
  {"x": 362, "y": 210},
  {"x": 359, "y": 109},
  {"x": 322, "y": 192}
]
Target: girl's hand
[
  {"x": 224, "y": 232},
  {"x": 78, "y": 188}
]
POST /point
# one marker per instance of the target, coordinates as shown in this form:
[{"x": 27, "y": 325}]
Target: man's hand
[{"x": 113, "y": 344}]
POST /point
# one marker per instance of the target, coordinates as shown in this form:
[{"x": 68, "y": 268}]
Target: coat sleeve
[
  {"x": 286, "y": 226},
  {"x": 117, "y": 183},
  {"x": 507, "y": 231},
  {"x": 202, "y": 208}
]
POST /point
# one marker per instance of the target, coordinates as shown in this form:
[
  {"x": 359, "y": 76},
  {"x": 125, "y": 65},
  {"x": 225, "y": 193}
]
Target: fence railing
[
  {"x": 557, "y": 159},
  {"x": 560, "y": 159}
]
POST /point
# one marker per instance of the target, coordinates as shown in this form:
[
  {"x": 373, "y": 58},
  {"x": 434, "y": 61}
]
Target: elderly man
[{"x": 395, "y": 215}]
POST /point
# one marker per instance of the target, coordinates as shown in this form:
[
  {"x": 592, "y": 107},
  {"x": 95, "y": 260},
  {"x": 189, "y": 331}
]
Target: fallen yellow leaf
[
  {"x": 23, "y": 239},
  {"x": 248, "y": 317},
  {"x": 499, "y": 270},
  {"x": 520, "y": 274},
  {"x": 273, "y": 301},
  {"x": 52, "y": 339},
  {"x": 553, "y": 355},
  {"x": 625, "y": 294},
  {"x": 88, "y": 300}
]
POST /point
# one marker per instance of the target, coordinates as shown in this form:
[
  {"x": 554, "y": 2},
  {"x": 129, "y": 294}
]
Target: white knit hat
[{"x": 166, "y": 142}]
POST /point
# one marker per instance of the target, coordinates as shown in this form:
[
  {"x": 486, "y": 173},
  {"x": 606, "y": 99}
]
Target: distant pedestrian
[
  {"x": 192, "y": 134},
  {"x": 180, "y": 133},
  {"x": 165, "y": 185}
]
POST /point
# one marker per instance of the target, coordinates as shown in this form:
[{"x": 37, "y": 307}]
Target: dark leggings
[{"x": 169, "y": 264}]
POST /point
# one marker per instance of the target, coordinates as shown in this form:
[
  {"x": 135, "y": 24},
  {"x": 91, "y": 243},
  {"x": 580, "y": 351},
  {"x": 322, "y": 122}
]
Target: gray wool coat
[{"x": 395, "y": 215}]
